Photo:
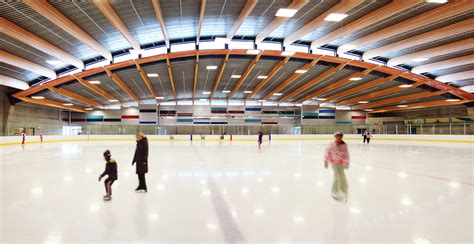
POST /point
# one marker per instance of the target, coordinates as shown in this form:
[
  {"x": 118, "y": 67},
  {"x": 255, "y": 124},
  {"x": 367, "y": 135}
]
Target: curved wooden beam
[
  {"x": 434, "y": 52},
  {"x": 94, "y": 88},
  {"x": 394, "y": 100},
  {"x": 14, "y": 83},
  {"x": 411, "y": 106},
  {"x": 372, "y": 95},
  {"x": 277, "y": 21},
  {"x": 270, "y": 75},
  {"x": 54, "y": 104},
  {"x": 441, "y": 33},
  {"x": 22, "y": 63},
  {"x": 159, "y": 17},
  {"x": 342, "y": 7},
  {"x": 445, "y": 11},
  {"x": 122, "y": 84},
  {"x": 329, "y": 87},
  {"x": 219, "y": 76},
  {"x": 456, "y": 76},
  {"x": 267, "y": 53},
  {"x": 244, "y": 13},
  {"x": 55, "y": 16},
  {"x": 201, "y": 17},
  {"x": 446, "y": 64},
  {"x": 75, "y": 96},
  {"x": 106, "y": 9},
  {"x": 244, "y": 75},
  {"x": 145, "y": 79},
  {"x": 365, "y": 21},
  {"x": 290, "y": 79},
  {"x": 22, "y": 35}
]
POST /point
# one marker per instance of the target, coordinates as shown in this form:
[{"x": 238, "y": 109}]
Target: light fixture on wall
[
  {"x": 94, "y": 82},
  {"x": 286, "y": 12},
  {"x": 335, "y": 17}
]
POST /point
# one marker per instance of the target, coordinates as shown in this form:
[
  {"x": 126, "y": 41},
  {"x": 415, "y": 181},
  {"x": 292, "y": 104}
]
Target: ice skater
[
  {"x": 368, "y": 136},
  {"x": 141, "y": 159},
  {"x": 41, "y": 137},
  {"x": 111, "y": 172},
  {"x": 364, "y": 135},
  {"x": 337, "y": 154},
  {"x": 23, "y": 137},
  {"x": 260, "y": 141}
]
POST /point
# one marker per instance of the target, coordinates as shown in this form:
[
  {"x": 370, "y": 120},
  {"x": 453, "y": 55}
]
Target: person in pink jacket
[{"x": 337, "y": 154}]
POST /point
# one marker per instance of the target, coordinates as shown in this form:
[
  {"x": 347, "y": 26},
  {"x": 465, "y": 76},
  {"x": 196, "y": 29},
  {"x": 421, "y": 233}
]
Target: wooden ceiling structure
[{"x": 295, "y": 77}]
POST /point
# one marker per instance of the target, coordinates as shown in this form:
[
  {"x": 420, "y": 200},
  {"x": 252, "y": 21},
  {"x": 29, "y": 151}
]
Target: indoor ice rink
[{"x": 237, "y": 121}]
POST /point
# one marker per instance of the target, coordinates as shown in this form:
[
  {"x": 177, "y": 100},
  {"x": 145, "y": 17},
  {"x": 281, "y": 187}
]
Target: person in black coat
[{"x": 141, "y": 159}]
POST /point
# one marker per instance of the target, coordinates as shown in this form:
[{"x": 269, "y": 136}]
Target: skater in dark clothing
[
  {"x": 141, "y": 159},
  {"x": 364, "y": 134},
  {"x": 111, "y": 172},
  {"x": 260, "y": 141},
  {"x": 368, "y": 136}
]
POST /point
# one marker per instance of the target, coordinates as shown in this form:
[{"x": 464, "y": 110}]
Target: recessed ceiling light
[
  {"x": 160, "y": 98},
  {"x": 321, "y": 99},
  {"x": 222, "y": 40},
  {"x": 248, "y": 92},
  {"x": 211, "y": 67},
  {"x": 417, "y": 60},
  {"x": 261, "y": 101},
  {"x": 113, "y": 100},
  {"x": 405, "y": 86},
  {"x": 89, "y": 109},
  {"x": 225, "y": 91},
  {"x": 437, "y": 1},
  {"x": 235, "y": 76},
  {"x": 253, "y": 51},
  {"x": 68, "y": 104},
  {"x": 402, "y": 106},
  {"x": 37, "y": 97},
  {"x": 94, "y": 82},
  {"x": 277, "y": 94},
  {"x": 368, "y": 109},
  {"x": 288, "y": 53},
  {"x": 363, "y": 101},
  {"x": 453, "y": 100},
  {"x": 152, "y": 75},
  {"x": 54, "y": 62},
  {"x": 355, "y": 78},
  {"x": 262, "y": 77},
  {"x": 206, "y": 93},
  {"x": 286, "y": 12},
  {"x": 335, "y": 17},
  {"x": 301, "y": 71}
]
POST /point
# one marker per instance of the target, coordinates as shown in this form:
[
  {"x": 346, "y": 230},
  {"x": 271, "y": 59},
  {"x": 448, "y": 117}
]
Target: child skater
[
  {"x": 111, "y": 171},
  {"x": 23, "y": 137},
  {"x": 368, "y": 136},
  {"x": 260, "y": 141},
  {"x": 337, "y": 155},
  {"x": 41, "y": 137}
]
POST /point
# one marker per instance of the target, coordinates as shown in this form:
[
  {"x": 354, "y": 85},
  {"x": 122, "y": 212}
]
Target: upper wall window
[{"x": 180, "y": 47}]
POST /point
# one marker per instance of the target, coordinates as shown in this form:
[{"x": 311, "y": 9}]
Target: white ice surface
[{"x": 399, "y": 192}]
